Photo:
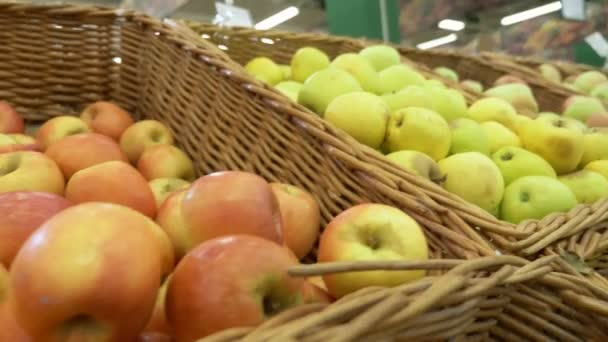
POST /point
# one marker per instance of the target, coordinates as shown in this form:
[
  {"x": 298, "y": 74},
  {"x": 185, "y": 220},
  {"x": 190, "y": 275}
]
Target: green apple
[
  {"x": 518, "y": 95},
  {"x": 600, "y": 92},
  {"x": 534, "y": 197},
  {"x": 434, "y": 82},
  {"x": 381, "y": 56},
  {"x": 468, "y": 136},
  {"x": 493, "y": 109},
  {"x": 396, "y": 77},
  {"x": 474, "y": 177},
  {"x": 360, "y": 69},
  {"x": 515, "y": 162},
  {"x": 499, "y": 135},
  {"x": 595, "y": 142},
  {"x": 306, "y": 61},
  {"x": 599, "y": 166},
  {"x": 446, "y": 73},
  {"x": 555, "y": 140},
  {"x": 472, "y": 85},
  {"x": 586, "y": 81},
  {"x": 324, "y": 86},
  {"x": 265, "y": 69},
  {"x": 6, "y": 139},
  {"x": 520, "y": 122},
  {"x": 449, "y": 103},
  {"x": 360, "y": 114},
  {"x": 582, "y": 107},
  {"x": 417, "y": 163},
  {"x": 418, "y": 129},
  {"x": 410, "y": 96},
  {"x": 291, "y": 89},
  {"x": 550, "y": 116},
  {"x": 286, "y": 69},
  {"x": 588, "y": 186},
  {"x": 550, "y": 72}
]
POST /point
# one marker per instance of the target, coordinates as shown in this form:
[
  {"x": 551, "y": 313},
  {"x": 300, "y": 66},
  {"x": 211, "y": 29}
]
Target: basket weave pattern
[{"x": 54, "y": 60}]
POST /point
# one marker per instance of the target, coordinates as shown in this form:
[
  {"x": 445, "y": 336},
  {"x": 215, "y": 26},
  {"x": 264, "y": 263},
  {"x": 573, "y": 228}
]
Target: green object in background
[
  {"x": 363, "y": 18},
  {"x": 584, "y": 54}
]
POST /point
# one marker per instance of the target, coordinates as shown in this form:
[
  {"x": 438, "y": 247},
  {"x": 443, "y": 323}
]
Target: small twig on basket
[{"x": 351, "y": 266}]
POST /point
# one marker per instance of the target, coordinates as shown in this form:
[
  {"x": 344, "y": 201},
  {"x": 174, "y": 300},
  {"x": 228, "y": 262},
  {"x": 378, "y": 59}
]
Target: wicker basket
[{"x": 54, "y": 60}]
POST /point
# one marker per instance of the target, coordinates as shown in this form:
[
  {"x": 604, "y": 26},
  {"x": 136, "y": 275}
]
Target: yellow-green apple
[
  {"x": 158, "y": 322},
  {"x": 586, "y": 81},
  {"x": 265, "y": 70},
  {"x": 515, "y": 162},
  {"x": 170, "y": 217},
  {"x": 493, "y": 109},
  {"x": 419, "y": 129},
  {"x": 232, "y": 281},
  {"x": 79, "y": 269},
  {"x": 499, "y": 135},
  {"x": 520, "y": 122},
  {"x": 573, "y": 123},
  {"x": 595, "y": 145},
  {"x": 600, "y": 92},
  {"x": 474, "y": 177},
  {"x": 286, "y": 70},
  {"x": 290, "y": 89},
  {"x": 10, "y": 120},
  {"x": 142, "y": 135},
  {"x": 588, "y": 186},
  {"x": 417, "y": 163},
  {"x": 597, "y": 120},
  {"x": 29, "y": 170},
  {"x": 518, "y": 95},
  {"x": 107, "y": 118},
  {"x": 449, "y": 103},
  {"x": 300, "y": 215},
  {"x": 582, "y": 107},
  {"x": 58, "y": 128},
  {"x": 410, "y": 96},
  {"x": 165, "y": 161},
  {"x": 468, "y": 136},
  {"x": 26, "y": 140},
  {"x": 164, "y": 187},
  {"x": 325, "y": 85},
  {"x": 306, "y": 61},
  {"x": 599, "y": 166},
  {"x": 80, "y": 151},
  {"x": 362, "y": 115},
  {"x": 472, "y": 85},
  {"x": 555, "y": 140},
  {"x": 360, "y": 69},
  {"x": 446, "y": 72},
  {"x": 368, "y": 232},
  {"x": 396, "y": 77},
  {"x": 21, "y": 213},
  {"x": 381, "y": 56},
  {"x": 550, "y": 72},
  {"x": 534, "y": 197},
  {"x": 508, "y": 79},
  {"x": 434, "y": 82},
  {"x": 112, "y": 182},
  {"x": 231, "y": 202}
]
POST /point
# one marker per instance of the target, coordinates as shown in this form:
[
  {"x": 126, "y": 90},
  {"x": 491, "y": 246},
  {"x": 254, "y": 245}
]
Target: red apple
[
  {"x": 172, "y": 221},
  {"x": 153, "y": 337},
  {"x": 144, "y": 134},
  {"x": 10, "y": 120},
  {"x": 10, "y": 330},
  {"x": 107, "y": 118},
  {"x": 371, "y": 232},
  {"x": 231, "y": 281},
  {"x": 113, "y": 182},
  {"x": 58, "y": 128},
  {"x": 165, "y": 161},
  {"x": 315, "y": 294},
  {"x": 27, "y": 170},
  {"x": 80, "y": 151},
  {"x": 90, "y": 273},
  {"x": 300, "y": 215},
  {"x": 21, "y": 213}
]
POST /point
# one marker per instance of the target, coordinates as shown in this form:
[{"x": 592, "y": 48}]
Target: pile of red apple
[{"x": 106, "y": 235}]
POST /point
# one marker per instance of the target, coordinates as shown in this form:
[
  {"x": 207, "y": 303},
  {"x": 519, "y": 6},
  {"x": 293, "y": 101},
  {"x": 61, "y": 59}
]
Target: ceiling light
[
  {"x": 452, "y": 37},
  {"x": 451, "y": 25},
  {"x": 277, "y": 18},
  {"x": 531, "y": 13}
]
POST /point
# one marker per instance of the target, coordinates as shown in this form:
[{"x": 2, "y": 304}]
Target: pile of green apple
[
  {"x": 512, "y": 165},
  {"x": 106, "y": 235}
]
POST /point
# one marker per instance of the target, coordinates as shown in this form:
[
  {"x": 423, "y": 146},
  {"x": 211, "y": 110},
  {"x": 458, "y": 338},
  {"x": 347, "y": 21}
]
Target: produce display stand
[{"x": 56, "y": 59}]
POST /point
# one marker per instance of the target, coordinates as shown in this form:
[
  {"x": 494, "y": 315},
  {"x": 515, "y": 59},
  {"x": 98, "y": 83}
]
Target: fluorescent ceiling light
[
  {"x": 531, "y": 13},
  {"x": 451, "y": 25},
  {"x": 452, "y": 37},
  {"x": 277, "y": 18}
]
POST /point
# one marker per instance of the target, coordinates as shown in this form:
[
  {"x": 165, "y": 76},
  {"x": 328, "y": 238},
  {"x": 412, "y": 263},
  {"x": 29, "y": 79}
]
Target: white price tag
[
  {"x": 598, "y": 43},
  {"x": 232, "y": 15}
]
